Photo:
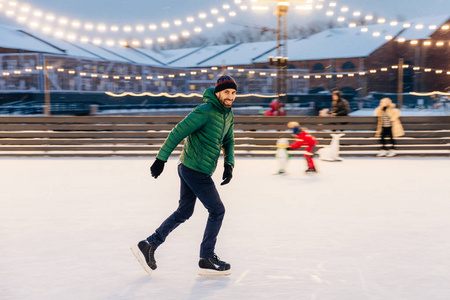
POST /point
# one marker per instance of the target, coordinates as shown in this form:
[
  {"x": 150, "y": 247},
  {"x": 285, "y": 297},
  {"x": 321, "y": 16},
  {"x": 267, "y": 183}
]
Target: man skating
[{"x": 207, "y": 129}]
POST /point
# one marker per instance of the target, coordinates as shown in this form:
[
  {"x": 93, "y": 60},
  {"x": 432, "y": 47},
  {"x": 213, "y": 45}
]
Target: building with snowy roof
[{"x": 355, "y": 59}]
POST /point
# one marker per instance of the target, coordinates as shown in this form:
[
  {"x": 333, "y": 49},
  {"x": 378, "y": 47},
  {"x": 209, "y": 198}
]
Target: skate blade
[
  {"x": 138, "y": 254},
  {"x": 213, "y": 273}
]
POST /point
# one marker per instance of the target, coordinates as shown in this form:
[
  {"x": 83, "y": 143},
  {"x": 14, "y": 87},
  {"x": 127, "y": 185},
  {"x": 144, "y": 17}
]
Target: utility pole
[
  {"x": 400, "y": 83},
  {"x": 47, "y": 110}
]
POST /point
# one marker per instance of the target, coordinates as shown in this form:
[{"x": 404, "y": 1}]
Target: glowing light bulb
[
  {"x": 393, "y": 23},
  {"x": 114, "y": 28},
  {"x": 101, "y": 28},
  {"x": 368, "y": 17},
  {"x": 232, "y": 14},
  {"x": 75, "y": 24},
  {"x": 381, "y": 21},
  {"x": 59, "y": 34},
  {"x": 50, "y": 17},
  {"x": 88, "y": 26},
  {"x": 419, "y": 26},
  {"x": 221, "y": 20},
  {"x": 152, "y": 27},
  {"x": 209, "y": 25},
  {"x": 344, "y": 9},
  {"x": 202, "y": 15},
  {"x": 148, "y": 41},
  {"x": 226, "y": 6},
  {"x": 178, "y": 22},
  {"x": 161, "y": 40},
  {"x": 356, "y": 13},
  {"x": 214, "y": 11},
  {"x": 127, "y": 28},
  {"x": 140, "y": 28},
  {"x": 185, "y": 33},
  {"x": 165, "y": 25},
  {"x": 37, "y": 13},
  {"x": 330, "y": 13},
  {"x": 198, "y": 29}
]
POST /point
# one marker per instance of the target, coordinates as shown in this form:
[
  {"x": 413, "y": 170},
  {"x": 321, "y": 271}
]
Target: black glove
[
  {"x": 289, "y": 148},
  {"x": 227, "y": 174},
  {"x": 157, "y": 168}
]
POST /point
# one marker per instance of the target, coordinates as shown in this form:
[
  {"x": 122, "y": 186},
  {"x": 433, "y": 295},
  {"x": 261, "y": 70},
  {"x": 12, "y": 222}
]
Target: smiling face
[{"x": 226, "y": 97}]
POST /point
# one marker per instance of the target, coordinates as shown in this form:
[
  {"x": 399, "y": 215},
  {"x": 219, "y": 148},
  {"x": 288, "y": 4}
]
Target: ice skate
[
  {"x": 391, "y": 153},
  {"x": 311, "y": 171},
  {"x": 382, "y": 153},
  {"x": 145, "y": 254},
  {"x": 213, "y": 266}
]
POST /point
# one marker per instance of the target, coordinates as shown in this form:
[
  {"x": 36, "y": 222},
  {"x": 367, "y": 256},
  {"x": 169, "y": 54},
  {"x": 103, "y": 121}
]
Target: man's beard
[{"x": 223, "y": 102}]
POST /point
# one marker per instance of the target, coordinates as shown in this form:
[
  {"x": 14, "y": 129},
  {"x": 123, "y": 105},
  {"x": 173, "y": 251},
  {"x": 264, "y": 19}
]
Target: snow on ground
[
  {"x": 405, "y": 112},
  {"x": 365, "y": 228}
]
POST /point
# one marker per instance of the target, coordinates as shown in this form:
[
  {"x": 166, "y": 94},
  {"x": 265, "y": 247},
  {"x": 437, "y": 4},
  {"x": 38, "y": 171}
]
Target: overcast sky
[{"x": 135, "y": 12}]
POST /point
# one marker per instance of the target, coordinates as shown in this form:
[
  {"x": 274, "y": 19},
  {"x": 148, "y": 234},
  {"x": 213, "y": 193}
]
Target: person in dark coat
[{"x": 339, "y": 106}]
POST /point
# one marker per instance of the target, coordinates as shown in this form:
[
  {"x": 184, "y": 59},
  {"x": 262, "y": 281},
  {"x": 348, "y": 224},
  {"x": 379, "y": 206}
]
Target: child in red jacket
[{"x": 303, "y": 138}]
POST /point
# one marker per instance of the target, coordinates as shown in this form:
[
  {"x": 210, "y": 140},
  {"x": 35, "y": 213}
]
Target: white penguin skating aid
[
  {"x": 331, "y": 152},
  {"x": 282, "y": 155}
]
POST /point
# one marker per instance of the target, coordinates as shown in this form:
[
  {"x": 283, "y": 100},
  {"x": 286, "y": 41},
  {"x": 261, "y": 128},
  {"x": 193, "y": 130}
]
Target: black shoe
[
  {"x": 213, "y": 266},
  {"x": 313, "y": 170},
  {"x": 149, "y": 253}
]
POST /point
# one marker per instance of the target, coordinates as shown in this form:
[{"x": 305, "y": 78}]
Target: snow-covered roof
[
  {"x": 423, "y": 28},
  {"x": 15, "y": 38},
  {"x": 202, "y": 55},
  {"x": 240, "y": 54},
  {"x": 347, "y": 42}
]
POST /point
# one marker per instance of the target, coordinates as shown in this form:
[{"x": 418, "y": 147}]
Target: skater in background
[
  {"x": 303, "y": 138},
  {"x": 276, "y": 109},
  {"x": 339, "y": 106},
  {"x": 389, "y": 126},
  {"x": 207, "y": 129}
]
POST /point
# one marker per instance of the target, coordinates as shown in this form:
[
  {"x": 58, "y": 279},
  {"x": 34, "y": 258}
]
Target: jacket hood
[{"x": 210, "y": 97}]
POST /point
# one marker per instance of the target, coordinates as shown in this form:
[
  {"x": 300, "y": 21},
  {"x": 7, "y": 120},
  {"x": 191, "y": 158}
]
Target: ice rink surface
[{"x": 365, "y": 228}]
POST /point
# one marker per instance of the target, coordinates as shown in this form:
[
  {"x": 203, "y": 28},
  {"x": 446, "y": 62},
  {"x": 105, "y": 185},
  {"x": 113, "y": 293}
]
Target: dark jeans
[
  {"x": 387, "y": 132},
  {"x": 194, "y": 185}
]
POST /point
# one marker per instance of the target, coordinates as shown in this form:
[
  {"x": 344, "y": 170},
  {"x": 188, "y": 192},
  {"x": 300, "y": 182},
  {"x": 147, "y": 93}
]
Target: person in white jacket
[{"x": 389, "y": 126}]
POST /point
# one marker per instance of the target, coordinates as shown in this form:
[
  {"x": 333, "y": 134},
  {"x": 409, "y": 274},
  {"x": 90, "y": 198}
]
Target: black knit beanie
[{"x": 225, "y": 82}]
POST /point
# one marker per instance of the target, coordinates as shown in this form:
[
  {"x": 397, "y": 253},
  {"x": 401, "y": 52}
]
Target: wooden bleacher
[{"x": 254, "y": 135}]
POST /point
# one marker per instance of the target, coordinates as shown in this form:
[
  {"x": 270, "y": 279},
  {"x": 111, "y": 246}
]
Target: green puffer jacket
[{"x": 208, "y": 128}]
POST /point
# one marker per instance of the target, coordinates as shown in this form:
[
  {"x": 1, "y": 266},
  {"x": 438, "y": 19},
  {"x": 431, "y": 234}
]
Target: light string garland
[
  {"x": 179, "y": 95},
  {"x": 193, "y": 72},
  {"x": 64, "y": 28},
  {"x": 341, "y": 15},
  {"x": 22, "y": 13}
]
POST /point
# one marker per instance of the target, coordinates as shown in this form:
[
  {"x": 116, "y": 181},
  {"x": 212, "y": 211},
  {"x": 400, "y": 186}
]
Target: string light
[
  {"x": 51, "y": 22},
  {"x": 196, "y": 72}
]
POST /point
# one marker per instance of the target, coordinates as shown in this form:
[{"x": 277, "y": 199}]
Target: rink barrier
[{"x": 254, "y": 135}]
